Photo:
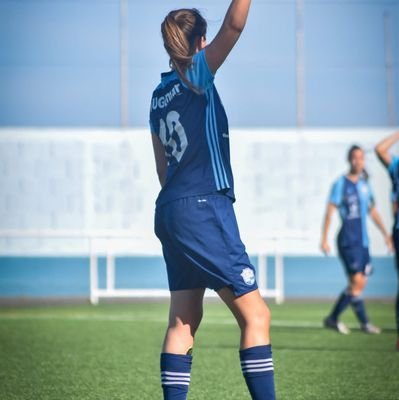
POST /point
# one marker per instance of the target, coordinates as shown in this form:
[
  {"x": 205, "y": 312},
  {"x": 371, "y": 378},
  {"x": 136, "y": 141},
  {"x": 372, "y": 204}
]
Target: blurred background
[{"x": 307, "y": 79}]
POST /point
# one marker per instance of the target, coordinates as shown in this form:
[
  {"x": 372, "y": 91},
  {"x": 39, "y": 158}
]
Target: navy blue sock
[
  {"x": 343, "y": 301},
  {"x": 397, "y": 313},
  {"x": 359, "y": 309},
  {"x": 175, "y": 375},
  {"x": 257, "y": 367}
]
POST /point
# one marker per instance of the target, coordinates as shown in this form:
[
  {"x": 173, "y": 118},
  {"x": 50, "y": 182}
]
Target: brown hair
[
  {"x": 351, "y": 150},
  {"x": 181, "y": 30}
]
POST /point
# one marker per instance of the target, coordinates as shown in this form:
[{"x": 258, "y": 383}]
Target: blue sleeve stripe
[
  {"x": 215, "y": 132},
  {"x": 212, "y": 139},
  {"x": 393, "y": 166},
  {"x": 213, "y": 158},
  {"x": 364, "y": 209}
]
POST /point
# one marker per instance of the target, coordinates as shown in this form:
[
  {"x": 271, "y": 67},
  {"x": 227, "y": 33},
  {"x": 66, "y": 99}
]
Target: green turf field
[{"x": 112, "y": 352}]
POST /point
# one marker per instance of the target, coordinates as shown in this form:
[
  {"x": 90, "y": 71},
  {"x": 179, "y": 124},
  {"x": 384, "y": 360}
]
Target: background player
[
  {"x": 391, "y": 162},
  {"x": 353, "y": 197},
  {"x": 194, "y": 217}
]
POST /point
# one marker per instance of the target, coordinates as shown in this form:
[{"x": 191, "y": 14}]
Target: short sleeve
[
  {"x": 199, "y": 73},
  {"x": 393, "y": 166},
  {"x": 152, "y": 122},
  {"x": 152, "y": 127},
  {"x": 336, "y": 193},
  {"x": 393, "y": 173}
]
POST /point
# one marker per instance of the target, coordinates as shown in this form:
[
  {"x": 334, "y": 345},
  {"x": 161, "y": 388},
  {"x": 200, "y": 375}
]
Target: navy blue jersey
[
  {"x": 353, "y": 201},
  {"x": 393, "y": 169},
  {"x": 194, "y": 131}
]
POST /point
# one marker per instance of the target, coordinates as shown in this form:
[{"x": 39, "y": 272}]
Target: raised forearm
[
  {"x": 382, "y": 148},
  {"x": 237, "y": 14}
]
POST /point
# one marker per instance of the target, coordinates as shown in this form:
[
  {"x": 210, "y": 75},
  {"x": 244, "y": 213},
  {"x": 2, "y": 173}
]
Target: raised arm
[
  {"x": 233, "y": 24},
  {"x": 382, "y": 148}
]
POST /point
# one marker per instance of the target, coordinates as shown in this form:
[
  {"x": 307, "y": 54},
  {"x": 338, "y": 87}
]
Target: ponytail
[{"x": 181, "y": 30}]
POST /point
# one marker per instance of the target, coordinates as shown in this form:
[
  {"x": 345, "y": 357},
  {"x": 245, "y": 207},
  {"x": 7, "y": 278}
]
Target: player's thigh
[
  {"x": 248, "y": 309},
  {"x": 186, "y": 307}
]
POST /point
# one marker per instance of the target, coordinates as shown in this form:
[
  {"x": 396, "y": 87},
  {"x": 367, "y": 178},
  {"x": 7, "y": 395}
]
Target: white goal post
[
  {"x": 113, "y": 244},
  {"x": 111, "y": 247}
]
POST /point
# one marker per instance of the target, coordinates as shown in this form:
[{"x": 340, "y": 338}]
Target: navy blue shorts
[
  {"x": 355, "y": 259},
  {"x": 201, "y": 245}
]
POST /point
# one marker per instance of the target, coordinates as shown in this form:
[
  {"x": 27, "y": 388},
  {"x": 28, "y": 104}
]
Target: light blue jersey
[{"x": 353, "y": 201}]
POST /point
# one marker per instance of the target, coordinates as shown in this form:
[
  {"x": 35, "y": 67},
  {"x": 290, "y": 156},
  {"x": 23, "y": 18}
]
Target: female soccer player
[
  {"x": 391, "y": 162},
  {"x": 194, "y": 216},
  {"x": 353, "y": 197}
]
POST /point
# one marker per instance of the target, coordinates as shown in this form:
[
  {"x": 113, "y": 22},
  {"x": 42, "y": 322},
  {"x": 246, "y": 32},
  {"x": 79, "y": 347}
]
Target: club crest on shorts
[{"x": 248, "y": 276}]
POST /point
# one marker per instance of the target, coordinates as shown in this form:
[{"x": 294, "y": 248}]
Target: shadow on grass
[
  {"x": 387, "y": 329},
  {"x": 300, "y": 331},
  {"x": 301, "y": 348}
]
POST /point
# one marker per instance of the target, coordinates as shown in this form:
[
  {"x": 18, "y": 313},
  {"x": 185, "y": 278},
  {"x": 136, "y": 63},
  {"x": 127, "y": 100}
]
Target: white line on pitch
[{"x": 131, "y": 318}]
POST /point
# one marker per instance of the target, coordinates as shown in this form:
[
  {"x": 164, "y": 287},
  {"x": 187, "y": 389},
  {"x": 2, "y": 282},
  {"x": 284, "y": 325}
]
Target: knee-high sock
[
  {"x": 342, "y": 302},
  {"x": 175, "y": 375},
  {"x": 397, "y": 312},
  {"x": 258, "y": 370},
  {"x": 359, "y": 309}
]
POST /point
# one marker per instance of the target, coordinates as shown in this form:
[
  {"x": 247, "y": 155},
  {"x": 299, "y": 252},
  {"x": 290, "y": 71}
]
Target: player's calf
[
  {"x": 258, "y": 370},
  {"x": 175, "y": 375}
]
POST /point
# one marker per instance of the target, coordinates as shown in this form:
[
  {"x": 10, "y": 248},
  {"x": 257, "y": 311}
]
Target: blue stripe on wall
[{"x": 303, "y": 276}]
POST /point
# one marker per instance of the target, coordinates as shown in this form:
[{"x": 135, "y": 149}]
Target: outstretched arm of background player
[
  {"x": 160, "y": 158},
  {"x": 232, "y": 27},
  {"x": 325, "y": 247},
  {"x": 376, "y": 217},
  {"x": 382, "y": 148}
]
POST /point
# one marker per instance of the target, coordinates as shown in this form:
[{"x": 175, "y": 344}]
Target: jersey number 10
[{"x": 173, "y": 136}]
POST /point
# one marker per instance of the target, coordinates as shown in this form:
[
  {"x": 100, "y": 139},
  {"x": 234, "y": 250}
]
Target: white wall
[{"x": 104, "y": 180}]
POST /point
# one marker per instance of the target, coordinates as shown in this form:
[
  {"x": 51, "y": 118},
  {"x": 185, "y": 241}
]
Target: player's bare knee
[
  {"x": 358, "y": 285},
  {"x": 258, "y": 320},
  {"x": 356, "y": 290},
  {"x": 266, "y": 318}
]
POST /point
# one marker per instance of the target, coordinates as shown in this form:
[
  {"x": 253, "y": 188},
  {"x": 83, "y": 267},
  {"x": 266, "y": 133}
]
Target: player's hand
[
  {"x": 389, "y": 242},
  {"x": 325, "y": 247}
]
